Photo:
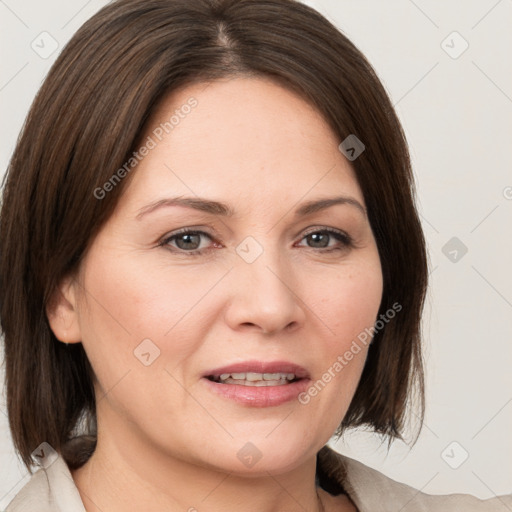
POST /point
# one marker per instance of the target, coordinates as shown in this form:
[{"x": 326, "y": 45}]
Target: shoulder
[
  {"x": 371, "y": 490},
  {"x": 50, "y": 489}
]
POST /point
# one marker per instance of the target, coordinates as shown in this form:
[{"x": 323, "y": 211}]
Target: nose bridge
[{"x": 265, "y": 295}]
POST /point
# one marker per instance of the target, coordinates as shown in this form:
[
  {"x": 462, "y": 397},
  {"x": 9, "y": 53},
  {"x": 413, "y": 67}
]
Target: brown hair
[{"x": 86, "y": 121}]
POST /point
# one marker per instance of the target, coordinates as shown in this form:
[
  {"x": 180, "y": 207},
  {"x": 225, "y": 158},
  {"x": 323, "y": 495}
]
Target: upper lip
[{"x": 260, "y": 367}]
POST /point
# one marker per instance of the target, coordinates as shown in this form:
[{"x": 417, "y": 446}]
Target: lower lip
[{"x": 265, "y": 396}]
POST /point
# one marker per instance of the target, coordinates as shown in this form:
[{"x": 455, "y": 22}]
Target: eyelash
[{"x": 341, "y": 236}]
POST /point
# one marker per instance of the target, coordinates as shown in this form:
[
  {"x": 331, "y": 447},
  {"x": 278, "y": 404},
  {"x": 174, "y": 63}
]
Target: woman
[{"x": 211, "y": 263}]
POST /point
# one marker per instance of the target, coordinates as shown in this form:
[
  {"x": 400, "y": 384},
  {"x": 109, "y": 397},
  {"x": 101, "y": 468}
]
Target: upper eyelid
[
  {"x": 305, "y": 232},
  {"x": 325, "y": 229}
]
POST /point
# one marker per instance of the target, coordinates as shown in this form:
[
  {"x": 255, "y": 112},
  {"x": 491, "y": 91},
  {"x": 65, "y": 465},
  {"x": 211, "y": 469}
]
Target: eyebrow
[{"x": 218, "y": 208}]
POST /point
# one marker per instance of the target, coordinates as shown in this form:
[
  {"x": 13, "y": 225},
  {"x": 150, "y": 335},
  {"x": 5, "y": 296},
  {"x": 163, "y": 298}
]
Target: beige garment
[
  {"x": 52, "y": 489},
  {"x": 372, "y": 491}
]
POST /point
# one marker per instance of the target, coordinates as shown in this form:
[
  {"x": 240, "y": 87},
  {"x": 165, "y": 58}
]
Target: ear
[{"x": 62, "y": 312}]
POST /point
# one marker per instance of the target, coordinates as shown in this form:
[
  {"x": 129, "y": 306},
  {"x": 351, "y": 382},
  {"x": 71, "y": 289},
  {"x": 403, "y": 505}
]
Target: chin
[{"x": 255, "y": 456}]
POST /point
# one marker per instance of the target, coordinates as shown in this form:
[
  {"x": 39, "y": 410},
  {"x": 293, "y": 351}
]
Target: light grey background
[{"x": 457, "y": 114}]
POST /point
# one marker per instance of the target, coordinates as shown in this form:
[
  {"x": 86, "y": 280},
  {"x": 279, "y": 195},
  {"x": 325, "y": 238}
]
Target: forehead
[{"x": 246, "y": 138}]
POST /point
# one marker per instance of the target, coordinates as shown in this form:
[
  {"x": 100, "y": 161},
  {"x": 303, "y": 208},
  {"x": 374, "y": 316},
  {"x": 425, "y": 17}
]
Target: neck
[{"x": 126, "y": 475}]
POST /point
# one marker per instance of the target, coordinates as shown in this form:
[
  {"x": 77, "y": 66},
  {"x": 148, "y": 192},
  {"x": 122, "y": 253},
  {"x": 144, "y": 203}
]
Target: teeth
[
  {"x": 257, "y": 383},
  {"x": 256, "y": 379}
]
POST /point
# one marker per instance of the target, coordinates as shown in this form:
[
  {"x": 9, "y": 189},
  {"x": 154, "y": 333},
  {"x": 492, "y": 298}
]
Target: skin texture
[{"x": 165, "y": 441}]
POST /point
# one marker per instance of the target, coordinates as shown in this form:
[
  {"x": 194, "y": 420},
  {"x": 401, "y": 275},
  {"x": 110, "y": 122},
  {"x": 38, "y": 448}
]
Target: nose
[{"x": 265, "y": 296}]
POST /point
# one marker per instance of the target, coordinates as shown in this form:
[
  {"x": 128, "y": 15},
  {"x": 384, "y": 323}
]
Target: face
[{"x": 225, "y": 286}]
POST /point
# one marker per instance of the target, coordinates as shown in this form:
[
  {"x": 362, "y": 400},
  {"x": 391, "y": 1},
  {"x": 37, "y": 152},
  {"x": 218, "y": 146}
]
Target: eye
[
  {"x": 186, "y": 240},
  {"x": 328, "y": 239},
  {"x": 193, "y": 242}
]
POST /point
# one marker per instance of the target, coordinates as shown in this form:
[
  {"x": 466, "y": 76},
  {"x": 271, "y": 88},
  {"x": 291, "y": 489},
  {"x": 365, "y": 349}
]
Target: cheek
[
  {"x": 349, "y": 303},
  {"x": 128, "y": 303},
  {"x": 140, "y": 299}
]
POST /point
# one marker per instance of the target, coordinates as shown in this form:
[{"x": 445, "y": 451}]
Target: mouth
[
  {"x": 257, "y": 383},
  {"x": 255, "y": 379}
]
